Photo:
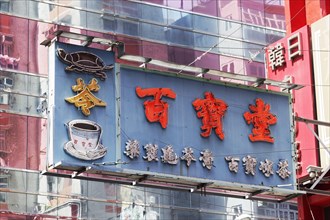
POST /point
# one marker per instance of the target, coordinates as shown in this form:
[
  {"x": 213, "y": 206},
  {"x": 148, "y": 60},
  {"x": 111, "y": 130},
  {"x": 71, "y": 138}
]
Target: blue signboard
[
  {"x": 80, "y": 101},
  {"x": 168, "y": 124}
]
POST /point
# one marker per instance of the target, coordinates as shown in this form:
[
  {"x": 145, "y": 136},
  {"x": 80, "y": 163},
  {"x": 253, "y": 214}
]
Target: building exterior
[
  {"x": 229, "y": 36},
  {"x": 306, "y": 61}
]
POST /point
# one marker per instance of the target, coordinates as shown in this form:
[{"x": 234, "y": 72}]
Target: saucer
[{"x": 94, "y": 154}]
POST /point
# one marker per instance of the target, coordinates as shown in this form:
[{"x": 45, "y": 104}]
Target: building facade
[
  {"x": 229, "y": 36},
  {"x": 308, "y": 29}
]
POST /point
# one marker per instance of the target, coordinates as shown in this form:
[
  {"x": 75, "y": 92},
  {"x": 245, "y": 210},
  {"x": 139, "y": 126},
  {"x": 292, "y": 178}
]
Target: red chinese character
[
  {"x": 211, "y": 110},
  {"x": 260, "y": 118},
  {"x": 156, "y": 110}
]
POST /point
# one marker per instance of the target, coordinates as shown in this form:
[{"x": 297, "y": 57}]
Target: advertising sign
[
  {"x": 289, "y": 60},
  {"x": 165, "y": 124}
]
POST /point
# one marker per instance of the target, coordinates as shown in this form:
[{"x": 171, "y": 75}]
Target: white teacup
[{"x": 84, "y": 134}]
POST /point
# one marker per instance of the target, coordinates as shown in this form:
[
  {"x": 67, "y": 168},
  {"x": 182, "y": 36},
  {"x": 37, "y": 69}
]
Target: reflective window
[
  {"x": 273, "y": 36},
  {"x": 254, "y": 69},
  {"x": 180, "y": 19},
  {"x": 154, "y": 14},
  {"x": 253, "y": 12},
  {"x": 254, "y": 34},
  {"x": 205, "y": 24},
  {"x": 230, "y": 29},
  {"x": 253, "y": 51},
  {"x": 70, "y": 16},
  {"x": 98, "y": 200},
  {"x": 231, "y": 64},
  {"x": 230, "y": 9},
  {"x": 14, "y": 50},
  {"x": 230, "y": 47},
  {"x": 208, "y": 7},
  {"x": 19, "y": 8},
  {"x": 4, "y": 6},
  {"x": 180, "y": 37},
  {"x": 155, "y": 50},
  {"x": 184, "y": 4},
  {"x": 207, "y": 61},
  {"x": 153, "y": 32},
  {"x": 39, "y": 10},
  {"x": 127, "y": 27},
  {"x": 127, "y": 9},
  {"x": 275, "y": 14},
  {"x": 97, "y": 22},
  {"x": 205, "y": 42}
]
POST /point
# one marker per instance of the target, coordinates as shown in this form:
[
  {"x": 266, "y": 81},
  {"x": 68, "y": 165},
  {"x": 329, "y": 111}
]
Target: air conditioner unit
[
  {"x": 6, "y": 81},
  {"x": 4, "y": 99}
]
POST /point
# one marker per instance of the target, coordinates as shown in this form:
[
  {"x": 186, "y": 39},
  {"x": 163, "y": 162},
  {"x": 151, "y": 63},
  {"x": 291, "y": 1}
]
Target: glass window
[
  {"x": 67, "y": 186},
  {"x": 180, "y": 19},
  {"x": 187, "y": 214},
  {"x": 207, "y": 61},
  {"x": 155, "y": 50},
  {"x": 98, "y": 5},
  {"x": 127, "y": 27},
  {"x": 37, "y": 138},
  {"x": 205, "y": 42},
  {"x": 230, "y": 29},
  {"x": 39, "y": 10},
  {"x": 70, "y": 16},
  {"x": 127, "y": 9},
  {"x": 4, "y": 183},
  {"x": 253, "y": 51},
  {"x": 102, "y": 210},
  {"x": 96, "y": 21},
  {"x": 108, "y": 22},
  {"x": 181, "y": 55},
  {"x": 180, "y": 37},
  {"x": 4, "y": 6},
  {"x": 181, "y": 199},
  {"x": 275, "y": 14},
  {"x": 153, "y": 32},
  {"x": 273, "y": 36},
  {"x": 208, "y": 7},
  {"x": 181, "y": 4},
  {"x": 107, "y": 7},
  {"x": 17, "y": 202},
  {"x": 256, "y": 69},
  {"x": 154, "y": 14},
  {"x": 254, "y": 34},
  {"x": 19, "y": 8},
  {"x": 130, "y": 194},
  {"x": 205, "y": 24},
  {"x": 253, "y": 12},
  {"x": 230, "y": 9},
  {"x": 231, "y": 64},
  {"x": 158, "y": 197},
  {"x": 16, "y": 141},
  {"x": 14, "y": 51},
  {"x": 230, "y": 47}
]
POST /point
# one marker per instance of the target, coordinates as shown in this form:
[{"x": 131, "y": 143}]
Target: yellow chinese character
[{"x": 85, "y": 99}]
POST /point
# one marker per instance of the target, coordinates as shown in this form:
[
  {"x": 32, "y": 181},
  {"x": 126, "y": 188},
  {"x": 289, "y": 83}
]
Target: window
[
  {"x": 3, "y": 184},
  {"x": 2, "y": 139},
  {"x": 228, "y": 67},
  {"x": 4, "y": 5}
]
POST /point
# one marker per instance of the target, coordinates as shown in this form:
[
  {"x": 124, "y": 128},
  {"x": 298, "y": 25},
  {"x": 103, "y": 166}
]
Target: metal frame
[
  {"x": 316, "y": 122},
  {"x": 166, "y": 181},
  {"x": 188, "y": 70}
]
